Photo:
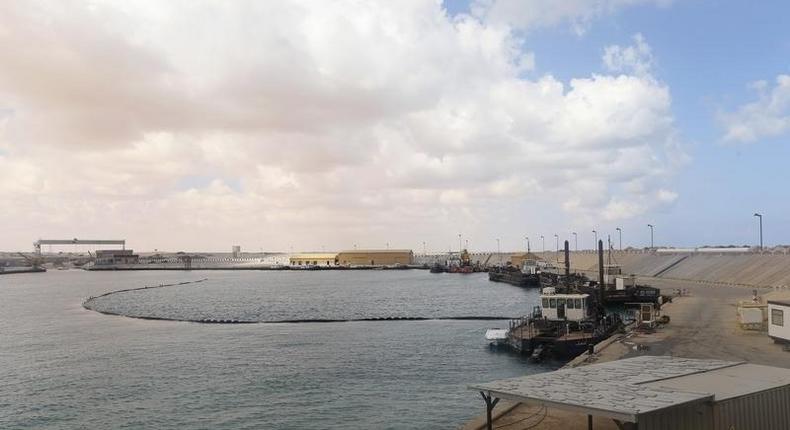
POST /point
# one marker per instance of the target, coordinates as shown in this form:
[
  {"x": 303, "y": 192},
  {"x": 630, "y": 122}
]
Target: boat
[
  {"x": 526, "y": 276},
  {"x": 438, "y": 268},
  {"x": 496, "y": 337},
  {"x": 563, "y": 326}
]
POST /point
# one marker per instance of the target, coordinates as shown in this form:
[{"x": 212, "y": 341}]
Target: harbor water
[{"x": 67, "y": 367}]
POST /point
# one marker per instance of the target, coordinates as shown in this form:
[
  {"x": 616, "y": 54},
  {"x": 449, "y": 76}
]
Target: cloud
[
  {"x": 331, "y": 122},
  {"x": 534, "y": 14},
  {"x": 636, "y": 59},
  {"x": 768, "y": 116}
]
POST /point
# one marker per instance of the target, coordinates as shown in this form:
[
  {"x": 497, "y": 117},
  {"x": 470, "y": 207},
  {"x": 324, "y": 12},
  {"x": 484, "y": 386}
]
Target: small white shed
[{"x": 778, "y": 324}]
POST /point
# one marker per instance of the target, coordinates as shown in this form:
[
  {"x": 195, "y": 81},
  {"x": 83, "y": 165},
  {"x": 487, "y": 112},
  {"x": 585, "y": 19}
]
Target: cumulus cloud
[
  {"x": 768, "y": 116},
  {"x": 636, "y": 59},
  {"x": 534, "y": 14},
  {"x": 312, "y": 123}
]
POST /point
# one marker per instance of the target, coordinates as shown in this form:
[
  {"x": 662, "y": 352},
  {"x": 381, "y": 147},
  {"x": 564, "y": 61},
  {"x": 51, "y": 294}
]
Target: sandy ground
[{"x": 703, "y": 325}]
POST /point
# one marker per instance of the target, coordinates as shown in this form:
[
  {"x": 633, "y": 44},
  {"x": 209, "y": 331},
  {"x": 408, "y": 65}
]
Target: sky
[{"x": 305, "y": 125}]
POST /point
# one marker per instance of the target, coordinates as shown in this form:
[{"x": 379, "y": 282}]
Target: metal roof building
[{"x": 659, "y": 392}]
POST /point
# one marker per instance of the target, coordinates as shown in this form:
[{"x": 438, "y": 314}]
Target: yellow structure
[
  {"x": 375, "y": 257},
  {"x": 518, "y": 259},
  {"x": 321, "y": 259}
]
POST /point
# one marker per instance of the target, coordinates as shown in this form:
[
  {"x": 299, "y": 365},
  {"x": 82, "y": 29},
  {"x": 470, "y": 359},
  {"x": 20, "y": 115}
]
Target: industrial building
[
  {"x": 107, "y": 257},
  {"x": 657, "y": 393},
  {"x": 317, "y": 259},
  {"x": 375, "y": 257}
]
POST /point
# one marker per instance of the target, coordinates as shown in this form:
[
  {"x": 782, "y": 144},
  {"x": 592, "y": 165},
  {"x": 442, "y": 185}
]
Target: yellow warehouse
[{"x": 375, "y": 257}]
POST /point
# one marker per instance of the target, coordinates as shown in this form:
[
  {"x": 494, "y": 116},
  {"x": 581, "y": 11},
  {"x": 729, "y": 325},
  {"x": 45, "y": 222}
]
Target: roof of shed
[
  {"x": 730, "y": 382},
  {"x": 618, "y": 389}
]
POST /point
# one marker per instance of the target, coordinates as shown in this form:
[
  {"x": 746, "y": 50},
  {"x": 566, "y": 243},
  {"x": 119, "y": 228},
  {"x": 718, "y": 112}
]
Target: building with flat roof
[
  {"x": 313, "y": 259},
  {"x": 658, "y": 393},
  {"x": 376, "y": 257}
]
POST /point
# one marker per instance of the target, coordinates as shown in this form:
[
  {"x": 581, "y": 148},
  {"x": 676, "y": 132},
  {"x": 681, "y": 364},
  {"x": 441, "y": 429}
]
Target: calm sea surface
[{"x": 62, "y": 366}]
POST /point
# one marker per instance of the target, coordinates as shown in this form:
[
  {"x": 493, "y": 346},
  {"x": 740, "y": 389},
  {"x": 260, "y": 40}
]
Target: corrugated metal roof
[
  {"x": 730, "y": 382},
  {"x": 615, "y": 389}
]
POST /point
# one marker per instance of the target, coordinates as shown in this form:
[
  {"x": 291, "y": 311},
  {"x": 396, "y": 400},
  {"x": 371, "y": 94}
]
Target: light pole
[
  {"x": 543, "y": 241},
  {"x": 575, "y": 241},
  {"x": 651, "y": 234},
  {"x": 527, "y": 239},
  {"x": 761, "y": 229},
  {"x": 620, "y": 231},
  {"x": 595, "y": 233},
  {"x": 557, "y": 238},
  {"x": 459, "y": 243},
  {"x": 497, "y": 247},
  {"x": 424, "y": 249},
  {"x": 466, "y": 242},
  {"x": 388, "y": 245}
]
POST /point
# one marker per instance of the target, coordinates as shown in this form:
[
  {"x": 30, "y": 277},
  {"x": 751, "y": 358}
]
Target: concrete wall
[{"x": 747, "y": 269}]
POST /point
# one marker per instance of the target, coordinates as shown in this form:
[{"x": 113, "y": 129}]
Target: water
[{"x": 66, "y": 367}]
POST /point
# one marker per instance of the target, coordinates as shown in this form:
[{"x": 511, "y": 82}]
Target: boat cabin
[
  {"x": 566, "y": 307},
  {"x": 530, "y": 267}
]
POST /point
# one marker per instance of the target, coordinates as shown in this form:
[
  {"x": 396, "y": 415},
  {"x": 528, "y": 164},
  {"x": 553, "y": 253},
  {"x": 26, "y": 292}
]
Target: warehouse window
[
  {"x": 578, "y": 303},
  {"x": 545, "y": 303},
  {"x": 777, "y": 317},
  {"x": 552, "y": 303}
]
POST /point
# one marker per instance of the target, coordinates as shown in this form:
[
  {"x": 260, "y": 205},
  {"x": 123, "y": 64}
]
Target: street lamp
[
  {"x": 620, "y": 231},
  {"x": 651, "y": 234},
  {"x": 497, "y": 247},
  {"x": 595, "y": 244},
  {"x": 543, "y": 241},
  {"x": 459, "y": 242},
  {"x": 575, "y": 241},
  {"x": 527, "y": 239},
  {"x": 761, "y": 229},
  {"x": 557, "y": 238}
]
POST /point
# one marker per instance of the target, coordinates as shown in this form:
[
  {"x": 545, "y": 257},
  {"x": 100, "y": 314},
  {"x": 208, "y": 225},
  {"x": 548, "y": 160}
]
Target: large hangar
[{"x": 375, "y": 257}]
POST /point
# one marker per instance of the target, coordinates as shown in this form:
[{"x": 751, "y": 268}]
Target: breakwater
[{"x": 748, "y": 269}]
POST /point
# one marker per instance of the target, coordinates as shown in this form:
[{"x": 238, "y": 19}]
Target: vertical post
[
  {"x": 761, "y": 229},
  {"x": 651, "y": 234},
  {"x": 567, "y": 261},
  {"x": 595, "y": 235},
  {"x": 601, "y": 287},
  {"x": 490, "y": 403},
  {"x": 620, "y": 232},
  {"x": 575, "y": 241},
  {"x": 589, "y": 422}
]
